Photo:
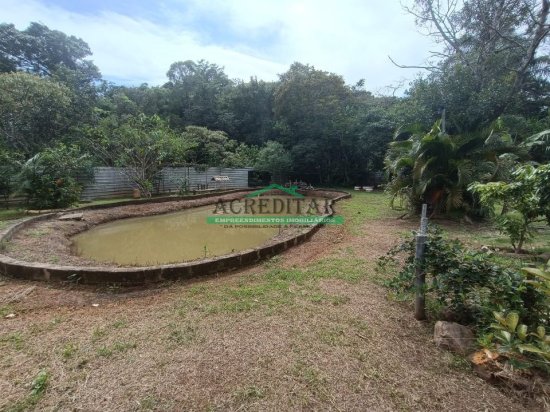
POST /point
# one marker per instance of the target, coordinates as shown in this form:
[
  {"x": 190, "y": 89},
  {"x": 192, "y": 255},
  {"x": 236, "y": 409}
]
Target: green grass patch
[
  {"x": 11, "y": 214},
  {"x": 487, "y": 235},
  {"x": 149, "y": 403},
  {"x": 98, "y": 334},
  {"x": 37, "y": 232},
  {"x": 38, "y": 387},
  {"x": 364, "y": 206},
  {"x": 277, "y": 287},
  {"x": 309, "y": 375},
  {"x": 332, "y": 336},
  {"x": 5, "y": 310},
  {"x": 7, "y": 216},
  {"x": 118, "y": 347},
  {"x": 14, "y": 340},
  {"x": 182, "y": 336},
  {"x": 323, "y": 298},
  {"x": 119, "y": 324},
  {"x": 249, "y": 393},
  {"x": 69, "y": 351}
]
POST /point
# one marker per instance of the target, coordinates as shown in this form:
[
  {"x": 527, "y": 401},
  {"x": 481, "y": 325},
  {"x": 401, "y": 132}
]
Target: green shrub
[
  {"x": 9, "y": 168},
  {"x": 539, "y": 278},
  {"x": 525, "y": 198},
  {"x": 522, "y": 347},
  {"x": 49, "y": 179},
  {"x": 471, "y": 284}
]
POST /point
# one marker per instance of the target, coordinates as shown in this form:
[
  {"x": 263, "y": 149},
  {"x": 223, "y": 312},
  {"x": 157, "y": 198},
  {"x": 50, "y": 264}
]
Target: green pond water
[{"x": 168, "y": 238}]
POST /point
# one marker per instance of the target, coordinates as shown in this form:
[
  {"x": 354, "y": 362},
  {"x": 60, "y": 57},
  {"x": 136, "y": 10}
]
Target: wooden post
[{"x": 420, "y": 281}]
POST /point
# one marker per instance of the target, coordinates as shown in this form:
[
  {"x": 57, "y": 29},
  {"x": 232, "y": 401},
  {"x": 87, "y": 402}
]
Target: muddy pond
[{"x": 175, "y": 237}]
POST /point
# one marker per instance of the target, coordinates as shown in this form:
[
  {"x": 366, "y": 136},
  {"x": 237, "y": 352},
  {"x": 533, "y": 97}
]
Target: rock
[
  {"x": 454, "y": 337},
  {"x": 72, "y": 216},
  {"x": 10, "y": 316}
]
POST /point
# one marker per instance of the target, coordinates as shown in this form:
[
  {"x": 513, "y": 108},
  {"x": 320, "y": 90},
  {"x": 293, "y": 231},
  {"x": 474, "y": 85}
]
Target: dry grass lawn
[{"x": 312, "y": 329}]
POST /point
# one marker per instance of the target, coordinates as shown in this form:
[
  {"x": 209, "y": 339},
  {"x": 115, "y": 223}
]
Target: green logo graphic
[
  {"x": 274, "y": 220},
  {"x": 274, "y": 186},
  {"x": 254, "y": 210}
]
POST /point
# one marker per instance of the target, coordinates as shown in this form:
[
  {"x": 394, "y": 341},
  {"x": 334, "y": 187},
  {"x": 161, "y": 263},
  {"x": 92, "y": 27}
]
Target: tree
[
  {"x": 249, "y": 108},
  {"x": 308, "y": 101},
  {"x": 196, "y": 90},
  {"x": 436, "y": 168},
  {"x": 209, "y": 147},
  {"x": 490, "y": 63},
  {"x": 52, "y": 54},
  {"x": 141, "y": 145},
  {"x": 373, "y": 121},
  {"x": 42, "y": 51},
  {"x": 275, "y": 159},
  {"x": 125, "y": 100},
  {"x": 525, "y": 198},
  {"x": 242, "y": 156},
  {"x": 50, "y": 179},
  {"x": 311, "y": 115},
  {"x": 33, "y": 112},
  {"x": 10, "y": 165}
]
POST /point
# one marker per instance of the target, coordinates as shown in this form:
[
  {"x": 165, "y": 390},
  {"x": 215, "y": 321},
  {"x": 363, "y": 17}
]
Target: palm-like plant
[{"x": 436, "y": 168}]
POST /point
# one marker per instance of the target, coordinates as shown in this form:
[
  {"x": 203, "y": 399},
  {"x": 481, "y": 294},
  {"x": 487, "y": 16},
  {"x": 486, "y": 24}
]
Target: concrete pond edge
[{"x": 129, "y": 276}]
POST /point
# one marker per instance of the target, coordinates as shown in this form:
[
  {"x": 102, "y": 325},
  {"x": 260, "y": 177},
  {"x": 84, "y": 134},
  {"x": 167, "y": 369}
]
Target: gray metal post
[{"x": 420, "y": 281}]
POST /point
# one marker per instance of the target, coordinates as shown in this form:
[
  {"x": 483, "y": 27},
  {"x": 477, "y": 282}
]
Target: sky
[{"x": 135, "y": 42}]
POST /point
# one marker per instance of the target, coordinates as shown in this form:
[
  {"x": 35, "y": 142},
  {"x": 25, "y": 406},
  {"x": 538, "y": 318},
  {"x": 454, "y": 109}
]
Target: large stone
[
  {"x": 72, "y": 216},
  {"x": 454, "y": 337}
]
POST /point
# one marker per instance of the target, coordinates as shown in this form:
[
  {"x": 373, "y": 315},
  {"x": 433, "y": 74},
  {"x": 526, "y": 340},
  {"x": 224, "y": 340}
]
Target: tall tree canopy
[
  {"x": 42, "y": 51},
  {"x": 196, "y": 90},
  {"x": 52, "y": 54},
  {"x": 33, "y": 112},
  {"x": 493, "y": 60}
]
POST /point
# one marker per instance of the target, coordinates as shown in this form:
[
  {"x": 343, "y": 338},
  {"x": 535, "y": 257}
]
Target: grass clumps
[{"x": 38, "y": 387}]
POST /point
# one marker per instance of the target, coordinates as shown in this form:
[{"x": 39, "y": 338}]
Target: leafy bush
[
  {"x": 539, "y": 278},
  {"x": 525, "y": 197},
  {"x": 49, "y": 179},
  {"x": 542, "y": 178},
  {"x": 471, "y": 284},
  {"x": 521, "y": 346},
  {"x": 9, "y": 168}
]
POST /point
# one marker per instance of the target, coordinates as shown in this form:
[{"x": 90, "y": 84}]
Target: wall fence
[{"x": 112, "y": 182}]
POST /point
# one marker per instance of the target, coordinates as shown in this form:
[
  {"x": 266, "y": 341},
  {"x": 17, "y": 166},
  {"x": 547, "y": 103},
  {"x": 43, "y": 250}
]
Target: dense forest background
[{"x": 490, "y": 78}]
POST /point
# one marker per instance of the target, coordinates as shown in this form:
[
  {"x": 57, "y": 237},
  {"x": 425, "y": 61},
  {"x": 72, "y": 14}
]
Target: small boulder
[
  {"x": 72, "y": 216},
  {"x": 454, "y": 337}
]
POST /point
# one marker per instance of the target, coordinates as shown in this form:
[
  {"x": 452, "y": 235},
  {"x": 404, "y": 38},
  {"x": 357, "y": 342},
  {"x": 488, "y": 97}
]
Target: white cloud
[{"x": 349, "y": 37}]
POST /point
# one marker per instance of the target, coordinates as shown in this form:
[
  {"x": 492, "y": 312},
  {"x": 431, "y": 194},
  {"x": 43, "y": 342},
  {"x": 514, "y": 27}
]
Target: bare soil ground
[{"x": 311, "y": 329}]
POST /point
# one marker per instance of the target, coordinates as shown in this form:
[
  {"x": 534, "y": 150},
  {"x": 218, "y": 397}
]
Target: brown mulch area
[{"x": 163, "y": 348}]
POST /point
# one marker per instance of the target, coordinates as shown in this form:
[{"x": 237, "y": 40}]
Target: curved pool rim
[{"x": 129, "y": 276}]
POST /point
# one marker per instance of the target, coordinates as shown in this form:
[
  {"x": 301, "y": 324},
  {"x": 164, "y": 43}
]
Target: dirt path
[{"x": 296, "y": 333}]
